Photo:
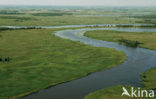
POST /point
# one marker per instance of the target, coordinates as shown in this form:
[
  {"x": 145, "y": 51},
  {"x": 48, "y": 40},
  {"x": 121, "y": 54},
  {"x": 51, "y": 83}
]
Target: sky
[{"x": 81, "y": 2}]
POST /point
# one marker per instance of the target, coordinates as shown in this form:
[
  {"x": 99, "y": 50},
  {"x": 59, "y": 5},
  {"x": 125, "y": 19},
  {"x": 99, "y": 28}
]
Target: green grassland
[
  {"x": 40, "y": 59},
  {"x": 59, "y": 20},
  {"x": 149, "y": 41},
  {"x": 108, "y": 93},
  {"x": 149, "y": 82},
  {"x": 149, "y": 79},
  {"x": 147, "y": 38},
  {"x": 75, "y": 16}
]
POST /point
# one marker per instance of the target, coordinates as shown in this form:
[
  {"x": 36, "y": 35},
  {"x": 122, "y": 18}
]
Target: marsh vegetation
[
  {"x": 129, "y": 42},
  {"x": 38, "y": 59},
  {"x": 48, "y": 16},
  {"x": 134, "y": 39}
]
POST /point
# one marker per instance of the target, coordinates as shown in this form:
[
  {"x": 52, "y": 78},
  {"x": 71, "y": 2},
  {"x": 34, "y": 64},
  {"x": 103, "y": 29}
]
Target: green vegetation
[
  {"x": 6, "y": 28},
  {"x": 129, "y": 42},
  {"x": 147, "y": 19},
  {"x": 63, "y": 20},
  {"x": 48, "y": 16},
  {"x": 40, "y": 59},
  {"x": 148, "y": 39},
  {"x": 149, "y": 82},
  {"x": 3, "y": 28},
  {"x": 17, "y": 18},
  {"x": 51, "y": 14},
  {"x": 5, "y": 59},
  {"x": 108, "y": 93},
  {"x": 10, "y": 12},
  {"x": 149, "y": 79}
]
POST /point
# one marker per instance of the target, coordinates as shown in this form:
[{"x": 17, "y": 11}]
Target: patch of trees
[
  {"x": 33, "y": 27},
  {"x": 147, "y": 19},
  {"x": 10, "y": 12},
  {"x": 17, "y": 18},
  {"x": 6, "y": 28},
  {"x": 51, "y": 14},
  {"x": 3, "y": 29},
  {"x": 129, "y": 43},
  {"x": 146, "y": 16},
  {"x": 23, "y": 28},
  {"x": 7, "y": 59},
  {"x": 147, "y": 22},
  {"x": 93, "y": 26}
]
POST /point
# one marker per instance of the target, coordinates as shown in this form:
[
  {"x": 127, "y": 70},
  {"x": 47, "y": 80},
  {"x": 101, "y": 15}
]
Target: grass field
[
  {"x": 40, "y": 59},
  {"x": 149, "y": 79},
  {"x": 60, "y": 20},
  {"x": 147, "y": 38},
  {"x": 108, "y": 93},
  {"x": 47, "y": 16},
  {"x": 149, "y": 82}
]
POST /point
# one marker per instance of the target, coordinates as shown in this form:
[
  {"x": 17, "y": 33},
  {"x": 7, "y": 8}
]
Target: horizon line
[{"x": 81, "y": 5}]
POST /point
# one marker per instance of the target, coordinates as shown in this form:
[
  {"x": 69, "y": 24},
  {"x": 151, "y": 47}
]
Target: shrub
[{"x": 129, "y": 42}]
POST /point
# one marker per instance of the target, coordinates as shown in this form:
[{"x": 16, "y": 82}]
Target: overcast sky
[{"x": 81, "y": 2}]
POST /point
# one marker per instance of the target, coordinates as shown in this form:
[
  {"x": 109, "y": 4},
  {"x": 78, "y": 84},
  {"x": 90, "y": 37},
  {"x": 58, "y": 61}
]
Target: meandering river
[{"x": 138, "y": 61}]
